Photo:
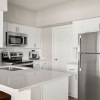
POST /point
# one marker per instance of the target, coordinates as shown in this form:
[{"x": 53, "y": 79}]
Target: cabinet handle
[
  {"x": 16, "y": 29},
  {"x": 99, "y": 26}
]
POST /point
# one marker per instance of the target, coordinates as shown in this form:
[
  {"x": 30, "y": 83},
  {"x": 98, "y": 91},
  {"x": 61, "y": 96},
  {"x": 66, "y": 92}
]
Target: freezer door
[
  {"x": 89, "y": 77},
  {"x": 90, "y": 42}
]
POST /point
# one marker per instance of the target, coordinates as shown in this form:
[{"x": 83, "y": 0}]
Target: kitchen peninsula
[{"x": 35, "y": 84}]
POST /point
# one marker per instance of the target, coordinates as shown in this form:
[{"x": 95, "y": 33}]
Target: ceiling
[{"x": 37, "y": 4}]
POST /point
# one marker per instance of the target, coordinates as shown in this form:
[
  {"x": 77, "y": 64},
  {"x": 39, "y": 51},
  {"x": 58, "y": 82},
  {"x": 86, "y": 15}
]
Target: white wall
[
  {"x": 73, "y": 10},
  {"x": 3, "y": 5},
  {"x": 47, "y": 45},
  {"x": 20, "y": 15}
]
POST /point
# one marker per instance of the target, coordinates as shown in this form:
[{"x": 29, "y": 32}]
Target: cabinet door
[
  {"x": 11, "y": 27},
  {"x": 77, "y": 29},
  {"x": 56, "y": 90},
  {"x": 4, "y": 33},
  {"x": 84, "y": 26},
  {"x": 37, "y": 39},
  {"x": 91, "y": 25},
  {"x": 73, "y": 85},
  {"x": 20, "y": 28},
  {"x": 34, "y": 37},
  {"x": 73, "y": 80},
  {"x": 16, "y": 28},
  {"x": 30, "y": 32}
]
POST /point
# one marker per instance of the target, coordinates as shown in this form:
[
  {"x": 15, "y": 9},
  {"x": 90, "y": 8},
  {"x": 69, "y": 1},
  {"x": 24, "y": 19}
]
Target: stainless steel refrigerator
[{"x": 89, "y": 66}]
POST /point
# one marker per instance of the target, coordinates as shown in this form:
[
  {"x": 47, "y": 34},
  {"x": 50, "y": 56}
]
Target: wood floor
[{"x": 71, "y": 98}]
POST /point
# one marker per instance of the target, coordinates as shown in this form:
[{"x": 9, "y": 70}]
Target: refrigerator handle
[{"x": 79, "y": 52}]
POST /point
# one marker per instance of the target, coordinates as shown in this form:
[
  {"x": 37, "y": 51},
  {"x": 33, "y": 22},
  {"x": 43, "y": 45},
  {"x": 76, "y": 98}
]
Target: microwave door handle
[{"x": 23, "y": 40}]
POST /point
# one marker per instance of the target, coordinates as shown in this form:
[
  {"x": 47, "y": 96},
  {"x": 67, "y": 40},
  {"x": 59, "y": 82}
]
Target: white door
[
  {"x": 61, "y": 47},
  {"x": 57, "y": 50}
]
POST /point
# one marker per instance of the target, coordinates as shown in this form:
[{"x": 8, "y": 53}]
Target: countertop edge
[{"x": 6, "y": 88}]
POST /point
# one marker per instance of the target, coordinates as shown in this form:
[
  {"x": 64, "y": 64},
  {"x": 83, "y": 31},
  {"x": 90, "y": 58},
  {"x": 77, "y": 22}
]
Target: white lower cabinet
[
  {"x": 54, "y": 90},
  {"x": 73, "y": 80},
  {"x": 73, "y": 86},
  {"x": 57, "y": 90},
  {"x": 40, "y": 64}
]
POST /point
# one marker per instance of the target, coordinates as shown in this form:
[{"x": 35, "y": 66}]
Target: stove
[{"x": 16, "y": 59}]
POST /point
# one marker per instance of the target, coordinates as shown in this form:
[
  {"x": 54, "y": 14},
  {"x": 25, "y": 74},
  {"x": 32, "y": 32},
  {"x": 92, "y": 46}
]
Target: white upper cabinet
[
  {"x": 1, "y": 29},
  {"x": 3, "y": 5},
  {"x": 38, "y": 37},
  {"x": 77, "y": 29},
  {"x": 84, "y": 26},
  {"x": 20, "y": 28},
  {"x": 34, "y": 34},
  {"x": 34, "y": 37},
  {"x": 30, "y": 32},
  {"x": 16, "y": 28},
  {"x": 91, "y": 25},
  {"x": 4, "y": 33}
]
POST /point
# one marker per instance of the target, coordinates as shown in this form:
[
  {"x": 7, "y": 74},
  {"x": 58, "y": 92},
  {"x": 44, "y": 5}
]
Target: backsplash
[{"x": 24, "y": 50}]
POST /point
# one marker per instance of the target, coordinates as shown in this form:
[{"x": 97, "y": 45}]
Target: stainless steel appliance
[
  {"x": 15, "y": 58},
  {"x": 16, "y": 39},
  {"x": 12, "y": 56},
  {"x": 89, "y": 66},
  {"x": 34, "y": 55}
]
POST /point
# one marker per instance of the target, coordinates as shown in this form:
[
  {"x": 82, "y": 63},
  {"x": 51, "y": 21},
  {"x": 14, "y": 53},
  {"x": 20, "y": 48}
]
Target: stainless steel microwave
[{"x": 16, "y": 39}]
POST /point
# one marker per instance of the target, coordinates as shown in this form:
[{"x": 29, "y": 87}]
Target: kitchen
[{"x": 46, "y": 23}]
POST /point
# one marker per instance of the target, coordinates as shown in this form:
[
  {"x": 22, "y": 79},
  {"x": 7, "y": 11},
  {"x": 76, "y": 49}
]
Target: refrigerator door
[
  {"x": 90, "y": 42},
  {"x": 89, "y": 77}
]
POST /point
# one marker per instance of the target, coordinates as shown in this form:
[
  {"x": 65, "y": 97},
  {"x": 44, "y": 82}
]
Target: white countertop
[{"x": 26, "y": 79}]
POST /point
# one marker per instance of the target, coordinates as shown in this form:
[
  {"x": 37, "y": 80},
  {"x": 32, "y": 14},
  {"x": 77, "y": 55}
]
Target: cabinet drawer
[{"x": 72, "y": 68}]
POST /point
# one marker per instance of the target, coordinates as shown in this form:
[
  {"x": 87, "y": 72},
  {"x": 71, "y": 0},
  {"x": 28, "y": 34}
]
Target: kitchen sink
[{"x": 12, "y": 68}]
